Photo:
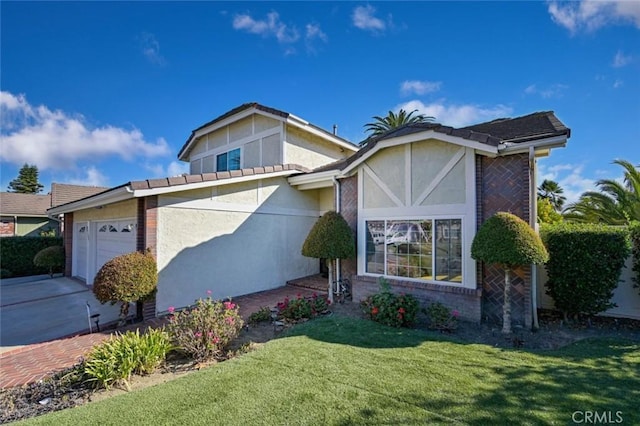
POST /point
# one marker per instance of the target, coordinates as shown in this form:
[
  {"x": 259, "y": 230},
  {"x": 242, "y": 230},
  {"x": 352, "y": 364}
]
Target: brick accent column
[
  {"x": 67, "y": 237},
  {"x": 349, "y": 210},
  {"x": 503, "y": 185},
  {"x": 147, "y": 238}
]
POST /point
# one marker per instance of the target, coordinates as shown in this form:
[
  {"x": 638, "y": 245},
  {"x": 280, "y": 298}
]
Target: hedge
[
  {"x": 634, "y": 232},
  {"x": 585, "y": 264},
  {"x": 17, "y": 253}
]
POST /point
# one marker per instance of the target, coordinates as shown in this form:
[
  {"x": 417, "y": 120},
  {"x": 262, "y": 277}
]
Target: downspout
[
  {"x": 533, "y": 221},
  {"x": 336, "y": 183}
]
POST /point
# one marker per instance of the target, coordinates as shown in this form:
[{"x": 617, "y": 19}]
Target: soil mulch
[{"x": 60, "y": 391}]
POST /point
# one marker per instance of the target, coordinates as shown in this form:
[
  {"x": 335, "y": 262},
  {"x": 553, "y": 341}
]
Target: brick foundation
[{"x": 467, "y": 301}]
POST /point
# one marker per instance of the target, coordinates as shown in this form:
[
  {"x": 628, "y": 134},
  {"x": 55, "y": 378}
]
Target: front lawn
[{"x": 339, "y": 370}]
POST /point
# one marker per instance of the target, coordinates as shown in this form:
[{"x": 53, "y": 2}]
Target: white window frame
[{"x": 362, "y": 250}]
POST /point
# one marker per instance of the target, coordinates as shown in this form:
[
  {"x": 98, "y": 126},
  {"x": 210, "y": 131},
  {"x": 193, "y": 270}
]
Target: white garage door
[
  {"x": 81, "y": 249},
  {"x": 113, "y": 239}
]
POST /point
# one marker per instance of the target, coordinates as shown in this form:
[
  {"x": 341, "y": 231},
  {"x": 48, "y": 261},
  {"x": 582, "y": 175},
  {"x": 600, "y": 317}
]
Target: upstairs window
[{"x": 228, "y": 161}]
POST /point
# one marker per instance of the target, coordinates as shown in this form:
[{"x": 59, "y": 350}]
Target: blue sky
[{"x": 102, "y": 93}]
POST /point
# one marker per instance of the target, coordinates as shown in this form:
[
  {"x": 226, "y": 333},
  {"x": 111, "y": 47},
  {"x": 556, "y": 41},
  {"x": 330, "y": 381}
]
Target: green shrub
[
  {"x": 17, "y": 253},
  {"x": 204, "y": 330},
  {"x": 441, "y": 318},
  {"x": 507, "y": 241},
  {"x": 51, "y": 258},
  {"x": 127, "y": 278},
  {"x": 261, "y": 315},
  {"x": 585, "y": 265},
  {"x": 634, "y": 232},
  {"x": 302, "y": 307},
  {"x": 390, "y": 309},
  {"x": 114, "y": 361}
]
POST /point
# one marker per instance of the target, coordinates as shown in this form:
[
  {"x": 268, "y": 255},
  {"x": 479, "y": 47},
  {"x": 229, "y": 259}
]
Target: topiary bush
[
  {"x": 330, "y": 238},
  {"x": 634, "y": 233},
  {"x": 127, "y": 278},
  {"x": 394, "y": 310},
  {"x": 508, "y": 241},
  {"x": 585, "y": 265},
  {"x": 18, "y": 253},
  {"x": 51, "y": 258}
]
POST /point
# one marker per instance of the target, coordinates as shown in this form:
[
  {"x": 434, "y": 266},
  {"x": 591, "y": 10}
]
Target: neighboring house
[
  {"x": 26, "y": 214},
  {"x": 261, "y": 177}
]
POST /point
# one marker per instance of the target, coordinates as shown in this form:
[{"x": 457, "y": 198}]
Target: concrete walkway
[
  {"x": 37, "y": 309},
  {"x": 31, "y": 363}
]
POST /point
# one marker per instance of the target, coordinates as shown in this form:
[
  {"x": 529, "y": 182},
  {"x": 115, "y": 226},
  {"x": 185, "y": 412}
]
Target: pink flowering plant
[
  {"x": 442, "y": 318},
  {"x": 205, "y": 329},
  {"x": 388, "y": 308}
]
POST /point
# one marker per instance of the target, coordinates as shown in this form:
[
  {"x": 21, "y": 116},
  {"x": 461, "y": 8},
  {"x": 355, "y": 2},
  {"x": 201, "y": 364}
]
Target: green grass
[{"x": 344, "y": 371}]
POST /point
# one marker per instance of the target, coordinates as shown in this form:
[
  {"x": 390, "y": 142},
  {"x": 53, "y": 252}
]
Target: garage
[{"x": 95, "y": 243}]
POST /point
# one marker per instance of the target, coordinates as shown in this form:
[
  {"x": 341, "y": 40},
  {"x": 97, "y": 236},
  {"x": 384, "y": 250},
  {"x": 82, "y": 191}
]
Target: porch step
[{"x": 314, "y": 282}]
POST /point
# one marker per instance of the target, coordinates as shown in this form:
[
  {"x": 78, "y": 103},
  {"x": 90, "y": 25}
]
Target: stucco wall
[
  {"x": 243, "y": 241},
  {"x": 32, "y": 226},
  {"x": 122, "y": 210},
  {"x": 310, "y": 151}
]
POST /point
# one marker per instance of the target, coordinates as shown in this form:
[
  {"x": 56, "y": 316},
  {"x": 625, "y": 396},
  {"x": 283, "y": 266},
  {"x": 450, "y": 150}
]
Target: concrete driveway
[{"x": 39, "y": 309}]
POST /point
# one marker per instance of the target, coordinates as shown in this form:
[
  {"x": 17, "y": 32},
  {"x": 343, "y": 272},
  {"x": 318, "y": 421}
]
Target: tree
[
  {"x": 550, "y": 190},
  {"x": 51, "y": 258},
  {"x": 508, "y": 241},
  {"x": 392, "y": 121},
  {"x": 546, "y": 212},
  {"x": 127, "y": 278},
  {"x": 330, "y": 238},
  {"x": 616, "y": 203},
  {"x": 27, "y": 181}
]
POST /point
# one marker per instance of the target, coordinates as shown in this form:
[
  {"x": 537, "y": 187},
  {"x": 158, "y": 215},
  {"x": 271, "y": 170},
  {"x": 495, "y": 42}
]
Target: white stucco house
[{"x": 260, "y": 177}]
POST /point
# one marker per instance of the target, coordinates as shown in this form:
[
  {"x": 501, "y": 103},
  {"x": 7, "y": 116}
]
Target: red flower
[
  {"x": 374, "y": 311},
  {"x": 401, "y": 310}
]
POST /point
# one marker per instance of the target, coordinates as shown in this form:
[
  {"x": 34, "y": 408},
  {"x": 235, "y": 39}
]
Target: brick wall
[
  {"x": 147, "y": 237},
  {"x": 349, "y": 210},
  {"x": 7, "y": 226},
  {"x": 467, "y": 301},
  {"x": 503, "y": 185},
  {"x": 67, "y": 236}
]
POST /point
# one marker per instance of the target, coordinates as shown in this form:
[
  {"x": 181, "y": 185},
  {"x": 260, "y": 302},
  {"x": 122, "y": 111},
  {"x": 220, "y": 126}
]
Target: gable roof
[
  {"x": 17, "y": 204},
  {"x": 63, "y": 193},
  {"x": 244, "y": 110},
  {"x": 143, "y": 188},
  {"x": 495, "y": 135}
]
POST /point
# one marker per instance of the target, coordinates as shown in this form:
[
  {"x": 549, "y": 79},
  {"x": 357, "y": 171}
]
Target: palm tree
[
  {"x": 616, "y": 203},
  {"x": 392, "y": 121},
  {"x": 550, "y": 190}
]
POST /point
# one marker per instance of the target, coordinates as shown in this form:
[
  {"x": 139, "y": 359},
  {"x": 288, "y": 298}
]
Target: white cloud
[
  {"x": 271, "y": 26},
  {"x": 456, "y": 115},
  {"x": 553, "y": 91},
  {"x": 418, "y": 87},
  {"x": 313, "y": 35},
  {"x": 620, "y": 60},
  {"x": 92, "y": 177},
  {"x": 569, "y": 177},
  {"x": 56, "y": 140},
  {"x": 618, "y": 83},
  {"x": 590, "y": 15},
  {"x": 364, "y": 19},
  {"x": 151, "y": 48},
  {"x": 174, "y": 168}
]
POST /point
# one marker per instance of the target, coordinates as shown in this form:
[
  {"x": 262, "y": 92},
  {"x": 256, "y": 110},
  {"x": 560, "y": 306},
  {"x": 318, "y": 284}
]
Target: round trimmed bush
[
  {"x": 127, "y": 278},
  {"x": 51, "y": 258}
]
